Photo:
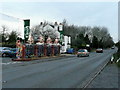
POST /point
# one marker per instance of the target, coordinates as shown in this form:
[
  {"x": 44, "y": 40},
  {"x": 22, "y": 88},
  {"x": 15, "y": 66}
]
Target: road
[{"x": 70, "y": 72}]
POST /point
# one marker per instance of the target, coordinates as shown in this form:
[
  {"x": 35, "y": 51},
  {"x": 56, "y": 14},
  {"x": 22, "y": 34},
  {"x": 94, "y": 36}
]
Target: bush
[
  {"x": 116, "y": 57},
  {"x": 118, "y": 64}
]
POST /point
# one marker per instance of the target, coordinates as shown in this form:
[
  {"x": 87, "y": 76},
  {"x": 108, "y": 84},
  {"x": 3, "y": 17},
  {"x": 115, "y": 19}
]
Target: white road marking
[{"x": 10, "y": 63}]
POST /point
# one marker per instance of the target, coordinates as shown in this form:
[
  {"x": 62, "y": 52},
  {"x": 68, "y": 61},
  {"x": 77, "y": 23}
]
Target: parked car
[
  {"x": 99, "y": 50},
  {"x": 13, "y": 52},
  {"x": 82, "y": 52},
  {"x": 4, "y": 51},
  {"x": 70, "y": 51}
]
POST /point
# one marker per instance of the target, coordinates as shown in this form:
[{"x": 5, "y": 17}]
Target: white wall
[{"x": 66, "y": 41}]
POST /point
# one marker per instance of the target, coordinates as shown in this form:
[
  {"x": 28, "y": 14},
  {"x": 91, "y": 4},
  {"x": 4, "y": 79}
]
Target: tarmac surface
[
  {"x": 108, "y": 78},
  {"x": 62, "y": 72}
]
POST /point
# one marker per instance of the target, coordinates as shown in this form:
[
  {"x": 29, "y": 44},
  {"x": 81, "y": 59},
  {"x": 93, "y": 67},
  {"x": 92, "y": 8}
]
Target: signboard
[
  {"x": 61, "y": 38},
  {"x": 60, "y": 27},
  {"x": 61, "y": 32},
  {"x": 26, "y": 29}
]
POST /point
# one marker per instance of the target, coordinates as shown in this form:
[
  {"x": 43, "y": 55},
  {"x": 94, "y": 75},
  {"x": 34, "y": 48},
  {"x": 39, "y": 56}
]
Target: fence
[{"x": 30, "y": 51}]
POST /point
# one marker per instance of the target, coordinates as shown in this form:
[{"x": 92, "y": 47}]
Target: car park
[
  {"x": 99, "y": 50},
  {"x": 82, "y": 52}
]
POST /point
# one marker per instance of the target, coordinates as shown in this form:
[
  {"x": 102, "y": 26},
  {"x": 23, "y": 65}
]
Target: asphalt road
[{"x": 70, "y": 72}]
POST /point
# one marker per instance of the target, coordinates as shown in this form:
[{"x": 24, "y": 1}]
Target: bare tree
[
  {"x": 4, "y": 33},
  {"x": 38, "y": 31}
]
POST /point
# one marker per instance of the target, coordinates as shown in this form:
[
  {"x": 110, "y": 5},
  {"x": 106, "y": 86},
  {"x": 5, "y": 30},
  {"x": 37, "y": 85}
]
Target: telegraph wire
[{"x": 10, "y": 16}]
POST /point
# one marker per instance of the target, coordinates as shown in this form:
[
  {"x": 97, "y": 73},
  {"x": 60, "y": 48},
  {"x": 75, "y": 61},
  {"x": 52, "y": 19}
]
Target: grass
[
  {"x": 118, "y": 64},
  {"x": 116, "y": 57}
]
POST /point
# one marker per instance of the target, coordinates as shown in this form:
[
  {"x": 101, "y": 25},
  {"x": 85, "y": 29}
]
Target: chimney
[
  {"x": 56, "y": 26},
  {"x": 60, "y": 27},
  {"x": 56, "y": 23},
  {"x": 41, "y": 23},
  {"x": 60, "y": 24}
]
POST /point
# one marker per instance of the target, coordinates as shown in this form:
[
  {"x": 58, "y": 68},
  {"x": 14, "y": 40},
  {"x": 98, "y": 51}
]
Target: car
[
  {"x": 70, "y": 51},
  {"x": 112, "y": 47},
  {"x": 4, "y": 51},
  {"x": 82, "y": 52},
  {"x": 8, "y": 52},
  {"x": 13, "y": 52},
  {"x": 99, "y": 50}
]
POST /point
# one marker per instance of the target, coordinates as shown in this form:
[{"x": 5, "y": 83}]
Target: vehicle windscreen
[
  {"x": 14, "y": 49},
  {"x": 81, "y": 50},
  {"x": 6, "y": 48}
]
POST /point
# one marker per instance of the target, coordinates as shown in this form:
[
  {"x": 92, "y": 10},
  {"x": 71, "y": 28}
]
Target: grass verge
[{"x": 116, "y": 57}]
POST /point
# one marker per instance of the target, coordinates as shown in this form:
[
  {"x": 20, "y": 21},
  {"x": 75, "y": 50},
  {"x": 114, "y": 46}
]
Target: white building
[
  {"x": 66, "y": 44},
  {"x": 66, "y": 40}
]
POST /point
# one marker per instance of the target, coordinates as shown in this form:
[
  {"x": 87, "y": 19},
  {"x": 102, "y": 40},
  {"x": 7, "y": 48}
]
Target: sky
[{"x": 77, "y": 13}]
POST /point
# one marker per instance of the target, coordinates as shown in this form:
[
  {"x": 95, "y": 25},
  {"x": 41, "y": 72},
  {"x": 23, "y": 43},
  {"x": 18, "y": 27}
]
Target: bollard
[{"x": 23, "y": 51}]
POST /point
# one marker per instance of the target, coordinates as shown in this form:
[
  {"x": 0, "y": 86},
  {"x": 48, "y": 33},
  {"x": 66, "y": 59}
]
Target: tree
[
  {"x": 87, "y": 41},
  {"x": 118, "y": 45},
  {"x": 12, "y": 37},
  {"x": 95, "y": 42},
  {"x": 79, "y": 42},
  {"x": 4, "y": 34},
  {"x": 38, "y": 31}
]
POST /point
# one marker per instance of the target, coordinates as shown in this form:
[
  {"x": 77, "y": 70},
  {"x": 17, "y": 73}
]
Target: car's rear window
[
  {"x": 81, "y": 50},
  {"x": 6, "y": 48},
  {"x": 13, "y": 49}
]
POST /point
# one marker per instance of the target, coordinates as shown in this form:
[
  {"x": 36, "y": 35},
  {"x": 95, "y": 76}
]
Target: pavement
[{"x": 108, "y": 78}]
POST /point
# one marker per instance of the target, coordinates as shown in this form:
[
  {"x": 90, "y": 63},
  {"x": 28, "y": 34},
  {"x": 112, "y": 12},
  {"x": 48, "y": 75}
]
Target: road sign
[
  {"x": 26, "y": 29},
  {"x": 61, "y": 33}
]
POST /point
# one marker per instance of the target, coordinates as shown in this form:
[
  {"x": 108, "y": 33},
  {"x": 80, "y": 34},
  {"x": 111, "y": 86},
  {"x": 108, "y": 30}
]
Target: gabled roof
[
  {"x": 52, "y": 26},
  {"x": 49, "y": 25}
]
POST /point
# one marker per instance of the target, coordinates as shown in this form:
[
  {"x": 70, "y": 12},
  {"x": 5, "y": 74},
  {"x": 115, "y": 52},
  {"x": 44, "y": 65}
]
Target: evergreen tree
[{"x": 95, "y": 42}]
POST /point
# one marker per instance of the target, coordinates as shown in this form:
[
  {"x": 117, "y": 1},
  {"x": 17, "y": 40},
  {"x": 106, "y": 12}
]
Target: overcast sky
[{"x": 78, "y": 13}]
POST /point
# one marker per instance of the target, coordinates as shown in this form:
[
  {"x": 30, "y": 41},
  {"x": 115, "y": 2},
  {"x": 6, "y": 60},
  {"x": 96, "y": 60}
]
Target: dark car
[
  {"x": 99, "y": 50},
  {"x": 4, "y": 51},
  {"x": 9, "y": 52},
  {"x": 112, "y": 47},
  {"x": 70, "y": 51},
  {"x": 13, "y": 52}
]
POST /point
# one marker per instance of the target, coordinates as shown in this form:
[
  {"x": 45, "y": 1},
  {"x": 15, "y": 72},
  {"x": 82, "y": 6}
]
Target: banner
[
  {"x": 26, "y": 29},
  {"x": 60, "y": 27}
]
